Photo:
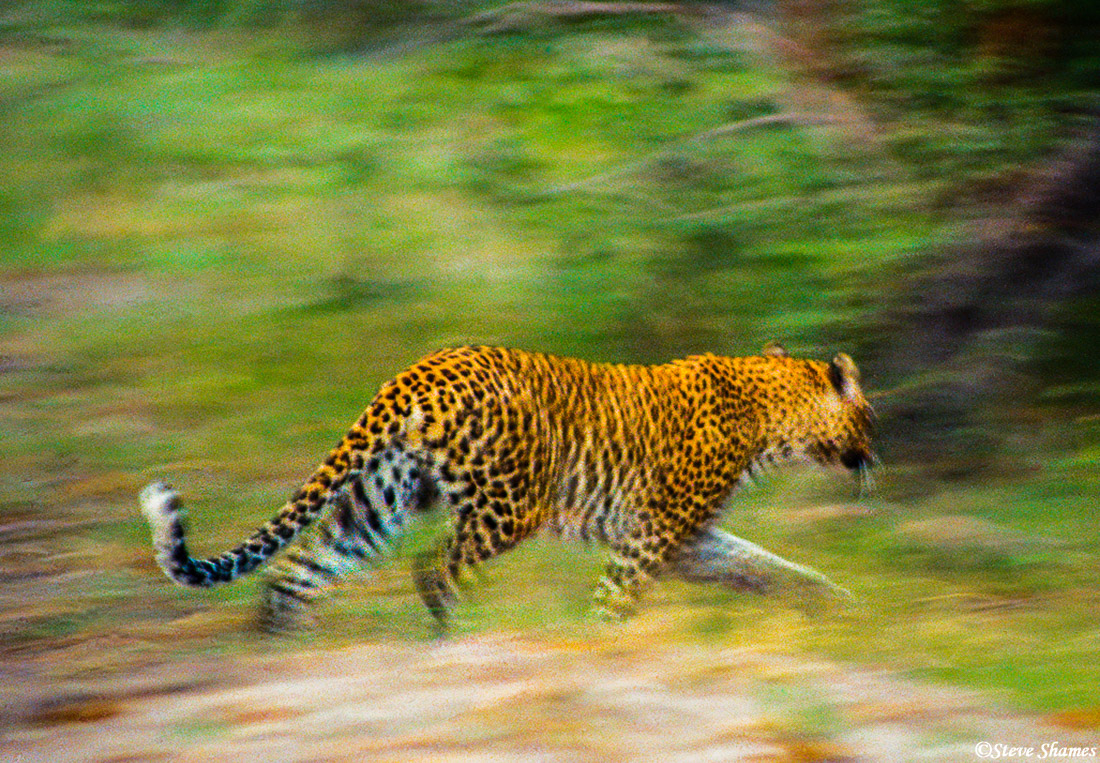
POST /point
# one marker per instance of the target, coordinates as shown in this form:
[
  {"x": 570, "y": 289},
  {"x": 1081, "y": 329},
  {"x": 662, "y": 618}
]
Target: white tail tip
[{"x": 159, "y": 503}]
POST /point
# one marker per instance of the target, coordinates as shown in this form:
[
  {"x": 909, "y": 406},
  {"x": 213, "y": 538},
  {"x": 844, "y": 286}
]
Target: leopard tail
[{"x": 165, "y": 514}]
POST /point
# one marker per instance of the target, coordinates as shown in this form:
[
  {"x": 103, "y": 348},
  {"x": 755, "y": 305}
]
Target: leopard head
[
  {"x": 816, "y": 411},
  {"x": 847, "y": 419}
]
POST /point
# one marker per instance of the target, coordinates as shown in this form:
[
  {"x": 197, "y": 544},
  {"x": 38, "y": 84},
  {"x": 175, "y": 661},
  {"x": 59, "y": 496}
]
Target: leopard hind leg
[
  {"x": 481, "y": 528},
  {"x": 367, "y": 516}
]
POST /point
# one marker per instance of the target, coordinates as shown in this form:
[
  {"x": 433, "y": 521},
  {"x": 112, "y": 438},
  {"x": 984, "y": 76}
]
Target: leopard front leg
[
  {"x": 715, "y": 556},
  {"x": 620, "y": 587},
  {"x": 639, "y": 557}
]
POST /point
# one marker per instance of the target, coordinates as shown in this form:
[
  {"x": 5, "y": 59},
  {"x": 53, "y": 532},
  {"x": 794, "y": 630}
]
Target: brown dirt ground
[{"x": 502, "y": 697}]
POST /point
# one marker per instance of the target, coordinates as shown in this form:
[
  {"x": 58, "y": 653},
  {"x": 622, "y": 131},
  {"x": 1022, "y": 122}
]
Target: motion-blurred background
[{"x": 223, "y": 223}]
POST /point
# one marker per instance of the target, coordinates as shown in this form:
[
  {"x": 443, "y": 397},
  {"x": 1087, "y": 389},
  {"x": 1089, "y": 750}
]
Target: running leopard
[{"x": 639, "y": 458}]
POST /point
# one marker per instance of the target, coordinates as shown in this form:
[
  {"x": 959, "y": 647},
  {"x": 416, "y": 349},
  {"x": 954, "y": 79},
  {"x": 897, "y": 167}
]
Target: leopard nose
[{"x": 858, "y": 459}]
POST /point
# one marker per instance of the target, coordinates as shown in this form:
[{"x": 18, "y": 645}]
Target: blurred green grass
[{"x": 215, "y": 246}]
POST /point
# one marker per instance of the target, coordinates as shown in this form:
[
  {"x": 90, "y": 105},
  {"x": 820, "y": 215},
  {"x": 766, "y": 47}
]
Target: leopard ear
[
  {"x": 845, "y": 376},
  {"x": 774, "y": 350}
]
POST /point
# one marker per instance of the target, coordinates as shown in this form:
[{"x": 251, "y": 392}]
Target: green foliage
[
  {"x": 207, "y": 13},
  {"x": 974, "y": 88}
]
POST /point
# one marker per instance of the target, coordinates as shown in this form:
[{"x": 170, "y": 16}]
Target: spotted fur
[{"x": 640, "y": 458}]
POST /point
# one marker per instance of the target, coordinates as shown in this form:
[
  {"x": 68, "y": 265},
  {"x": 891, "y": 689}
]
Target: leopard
[{"x": 641, "y": 459}]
